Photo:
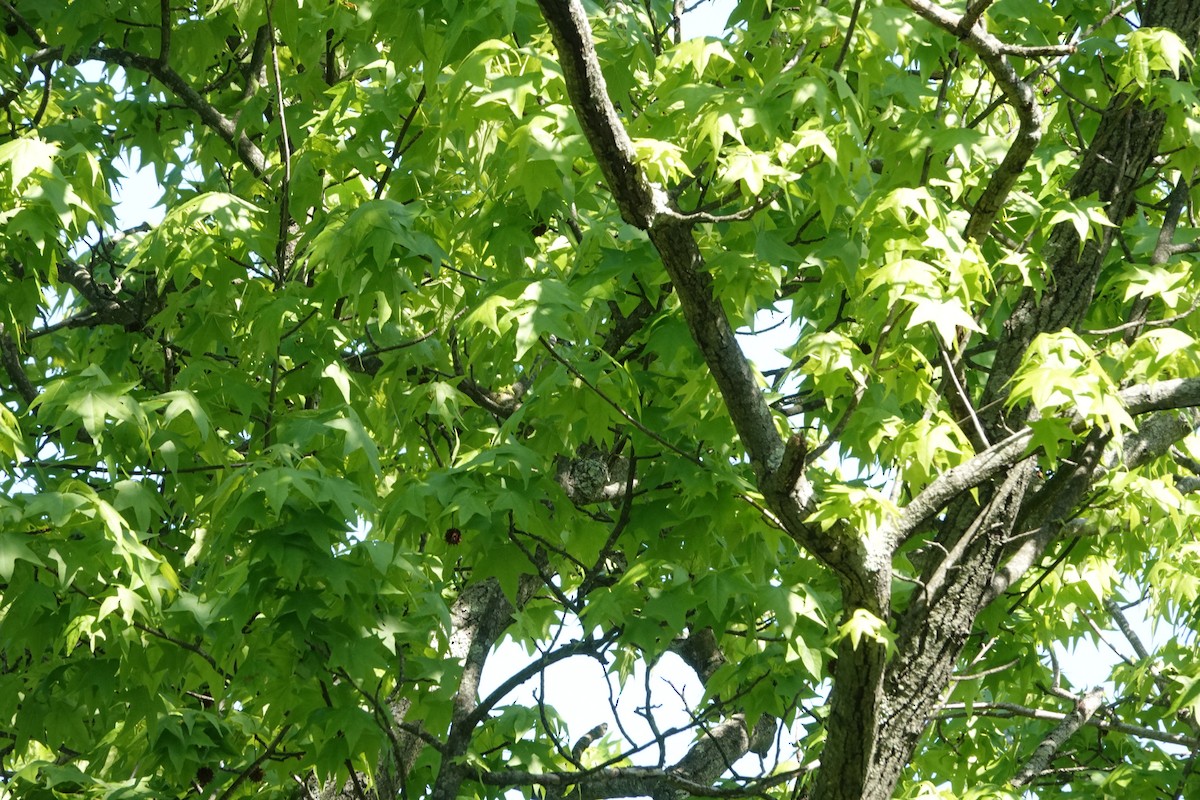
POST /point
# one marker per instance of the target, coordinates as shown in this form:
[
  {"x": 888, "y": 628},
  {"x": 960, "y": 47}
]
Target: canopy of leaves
[{"x": 433, "y": 346}]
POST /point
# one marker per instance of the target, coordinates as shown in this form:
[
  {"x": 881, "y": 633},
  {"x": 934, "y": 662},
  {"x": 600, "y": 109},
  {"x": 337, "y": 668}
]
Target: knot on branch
[
  {"x": 129, "y": 305},
  {"x": 587, "y": 739},
  {"x": 593, "y": 476}
]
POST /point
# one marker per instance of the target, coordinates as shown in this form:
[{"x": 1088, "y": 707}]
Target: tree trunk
[{"x": 974, "y": 538}]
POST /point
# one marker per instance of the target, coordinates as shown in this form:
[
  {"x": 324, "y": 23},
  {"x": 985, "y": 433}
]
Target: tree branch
[
  {"x": 398, "y": 147},
  {"x": 951, "y": 710},
  {"x": 625, "y": 782},
  {"x": 991, "y": 52},
  {"x": 257, "y": 762},
  {"x": 701, "y": 651},
  {"x": 477, "y": 619},
  {"x": 164, "y": 31},
  {"x": 10, "y": 356},
  {"x": 1071, "y": 722},
  {"x": 480, "y": 614},
  {"x": 222, "y": 125},
  {"x": 1046, "y": 521},
  {"x": 597, "y": 115},
  {"x": 645, "y": 206},
  {"x": 1142, "y": 399},
  {"x": 579, "y": 376},
  {"x": 569, "y": 650},
  {"x": 973, "y": 13},
  {"x": 1176, "y": 199},
  {"x": 284, "y": 244}
]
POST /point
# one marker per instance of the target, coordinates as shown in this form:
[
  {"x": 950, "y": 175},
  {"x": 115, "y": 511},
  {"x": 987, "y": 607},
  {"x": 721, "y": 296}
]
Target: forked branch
[
  {"x": 1141, "y": 399},
  {"x": 992, "y": 52}
]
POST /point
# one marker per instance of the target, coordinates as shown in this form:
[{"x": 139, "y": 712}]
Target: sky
[{"x": 707, "y": 18}]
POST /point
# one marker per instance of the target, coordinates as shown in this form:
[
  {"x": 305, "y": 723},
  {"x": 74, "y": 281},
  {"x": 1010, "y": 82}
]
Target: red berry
[{"x": 453, "y": 536}]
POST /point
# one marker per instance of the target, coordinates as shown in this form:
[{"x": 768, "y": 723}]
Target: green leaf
[
  {"x": 357, "y": 439},
  {"x": 22, "y": 157},
  {"x": 1188, "y": 696},
  {"x": 1152, "y": 50},
  {"x": 12, "y": 549},
  {"x": 11, "y": 442},
  {"x": 946, "y": 317},
  {"x": 340, "y": 377},
  {"x": 1084, "y": 215},
  {"x": 1060, "y": 372},
  {"x": 546, "y": 308},
  {"x": 861, "y": 625},
  {"x": 181, "y": 402}
]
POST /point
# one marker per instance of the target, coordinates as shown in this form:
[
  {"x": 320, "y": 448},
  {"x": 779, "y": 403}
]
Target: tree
[{"x": 435, "y": 345}]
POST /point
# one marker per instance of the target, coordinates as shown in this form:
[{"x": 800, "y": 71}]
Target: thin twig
[
  {"x": 948, "y": 365},
  {"x": 282, "y": 246},
  {"x": 590, "y": 576},
  {"x": 704, "y": 217},
  {"x": 1102, "y": 636},
  {"x": 985, "y": 672},
  {"x": 625, "y": 414},
  {"x": 1008, "y": 710},
  {"x": 547, "y": 577},
  {"x": 23, "y": 23},
  {"x": 850, "y": 26},
  {"x": 258, "y": 762},
  {"x": 398, "y": 145},
  {"x": 212, "y": 662}
]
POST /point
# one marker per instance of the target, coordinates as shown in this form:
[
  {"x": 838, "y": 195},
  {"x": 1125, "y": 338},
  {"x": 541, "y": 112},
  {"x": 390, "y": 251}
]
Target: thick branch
[
  {"x": 164, "y": 31},
  {"x": 972, "y": 14},
  {"x": 721, "y": 746},
  {"x": 701, "y": 651},
  {"x": 1154, "y": 438},
  {"x": 864, "y": 571},
  {"x": 645, "y": 206},
  {"x": 1048, "y": 521},
  {"x": 955, "y": 481},
  {"x": 224, "y": 127},
  {"x": 1135, "y": 641},
  {"x": 991, "y": 52},
  {"x": 597, "y": 116},
  {"x": 10, "y": 356},
  {"x": 1071, "y": 723},
  {"x": 104, "y": 304},
  {"x": 1142, "y": 399},
  {"x": 478, "y": 617},
  {"x": 623, "y": 782},
  {"x": 1162, "y": 396},
  {"x": 1114, "y": 165},
  {"x": 940, "y": 615}
]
